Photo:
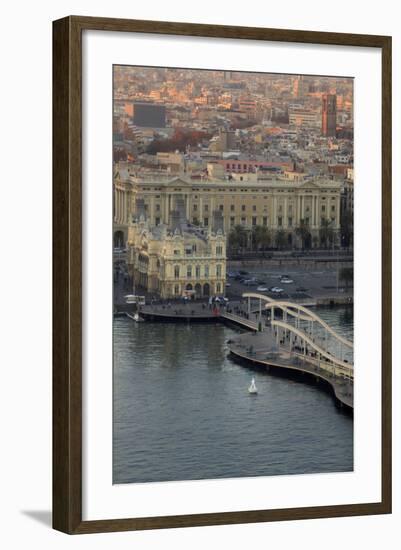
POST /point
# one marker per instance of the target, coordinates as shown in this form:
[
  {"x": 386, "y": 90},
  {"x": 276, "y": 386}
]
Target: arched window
[
  {"x": 176, "y": 272},
  {"x": 218, "y": 288},
  {"x": 189, "y": 271},
  {"x": 197, "y": 271},
  {"x": 176, "y": 290},
  {"x": 218, "y": 270}
]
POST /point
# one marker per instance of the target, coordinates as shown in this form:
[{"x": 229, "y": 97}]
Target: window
[
  {"x": 232, "y": 208},
  {"x": 333, "y": 208},
  {"x": 176, "y": 272},
  {"x": 218, "y": 270},
  {"x": 265, "y": 220},
  {"x": 253, "y": 220},
  {"x": 243, "y": 221},
  {"x": 280, "y": 208},
  {"x": 197, "y": 271},
  {"x": 157, "y": 207},
  {"x": 194, "y": 248},
  {"x": 254, "y": 208},
  {"x": 206, "y": 271},
  {"x": 219, "y": 250},
  {"x": 206, "y": 207},
  {"x": 205, "y": 222},
  {"x": 176, "y": 290},
  {"x": 289, "y": 222},
  {"x": 176, "y": 252},
  {"x": 189, "y": 271},
  {"x": 218, "y": 288},
  {"x": 195, "y": 207},
  {"x": 243, "y": 208},
  {"x": 157, "y": 221},
  {"x": 221, "y": 207},
  {"x": 323, "y": 208},
  {"x": 279, "y": 221},
  {"x": 232, "y": 222},
  {"x": 195, "y": 220}
]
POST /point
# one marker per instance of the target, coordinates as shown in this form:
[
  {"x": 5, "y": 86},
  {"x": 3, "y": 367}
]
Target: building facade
[
  {"x": 149, "y": 115},
  {"x": 304, "y": 118},
  {"x": 185, "y": 261},
  {"x": 278, "y": 204},
  {"x": 329, "y": 115},
  {"x": 122, "y": 208}
]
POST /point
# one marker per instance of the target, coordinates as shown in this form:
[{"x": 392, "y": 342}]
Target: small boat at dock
[{"x": 135, "y": 317}]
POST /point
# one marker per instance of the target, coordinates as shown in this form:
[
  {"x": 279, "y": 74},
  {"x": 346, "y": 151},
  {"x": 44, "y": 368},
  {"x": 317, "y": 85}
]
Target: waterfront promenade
[
  {"x": 260, "y": 350},
  {"x": 283, "y": 336}
]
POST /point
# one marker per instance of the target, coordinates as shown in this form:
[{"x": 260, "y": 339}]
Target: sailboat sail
[{"x": 252, "y": 388}]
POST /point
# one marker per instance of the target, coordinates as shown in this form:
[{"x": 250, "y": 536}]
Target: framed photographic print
[{"x": 222, "y": 275}]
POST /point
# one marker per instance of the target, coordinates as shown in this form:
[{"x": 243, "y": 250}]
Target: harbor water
[{"x": 182, "y": 410}]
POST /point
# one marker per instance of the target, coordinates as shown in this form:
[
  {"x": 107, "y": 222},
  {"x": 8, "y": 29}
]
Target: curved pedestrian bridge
[{"x": 291, "y": 336}]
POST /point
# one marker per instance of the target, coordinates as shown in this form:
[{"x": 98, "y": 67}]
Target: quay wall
[{"x": 295, "y": 373}]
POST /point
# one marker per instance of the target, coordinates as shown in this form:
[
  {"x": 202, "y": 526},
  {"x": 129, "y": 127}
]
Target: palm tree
[
  {"x": 347, "y": 275},
  {"x": 302, "y": 231},
  {"x": 347, "y": 229},
  {"x": 326, "y": 233},
  {"x": 237, "y": 238},
  {"x": 281, "y": 239},
  {"x": 260, "y": 237}
]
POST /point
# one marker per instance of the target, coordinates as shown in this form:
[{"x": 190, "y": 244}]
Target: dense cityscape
[{"x": 267, "y": 160}]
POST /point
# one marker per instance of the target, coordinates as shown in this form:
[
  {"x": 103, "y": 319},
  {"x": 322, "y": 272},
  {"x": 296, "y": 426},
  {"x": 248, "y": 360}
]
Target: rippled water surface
[{"x": 182, "y": 410}]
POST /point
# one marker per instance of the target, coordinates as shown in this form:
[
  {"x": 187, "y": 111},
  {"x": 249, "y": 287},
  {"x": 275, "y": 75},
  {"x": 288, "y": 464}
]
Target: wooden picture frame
[{"x": 67, "y": 274}]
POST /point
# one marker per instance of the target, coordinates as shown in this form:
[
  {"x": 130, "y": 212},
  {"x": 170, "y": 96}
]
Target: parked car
[
  {"x": 276, "y": 289},
  {"x": 286, "y": 280},
  {"x": 262, "y": 289},
  {"x": 250, "y": 282}
]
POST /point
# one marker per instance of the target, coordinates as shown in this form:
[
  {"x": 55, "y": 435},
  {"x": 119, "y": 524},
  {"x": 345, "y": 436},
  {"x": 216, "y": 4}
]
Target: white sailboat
[{"x": 252, "y": 388}]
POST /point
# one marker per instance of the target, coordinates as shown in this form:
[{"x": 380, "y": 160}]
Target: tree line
[{"x": 261, "y": 238}]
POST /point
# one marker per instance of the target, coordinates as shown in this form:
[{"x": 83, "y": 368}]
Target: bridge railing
[
  {"x": 301, "y": 312},
  {"x": 331, "y": 363}
]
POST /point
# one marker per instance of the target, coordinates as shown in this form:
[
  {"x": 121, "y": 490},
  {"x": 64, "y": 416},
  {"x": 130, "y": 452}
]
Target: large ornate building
[
  {"x": 278, "y": 203},
  {"x": 179, "y": 259}
]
